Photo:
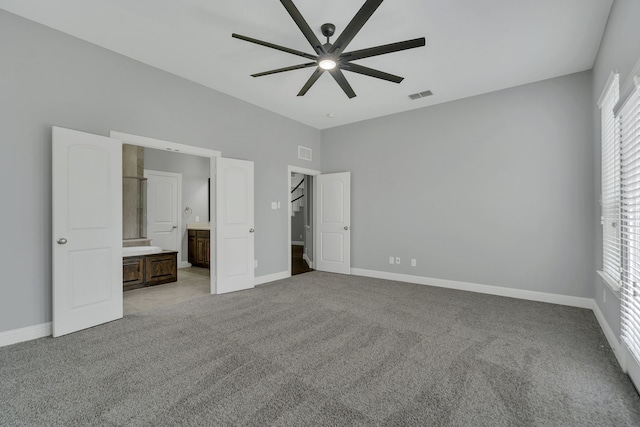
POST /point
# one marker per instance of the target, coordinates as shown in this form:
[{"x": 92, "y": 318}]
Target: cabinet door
[
  {"x": 161, "y": 269},
  {"x": 132, "y": 271},
  {"x": 192, "y": 249}
]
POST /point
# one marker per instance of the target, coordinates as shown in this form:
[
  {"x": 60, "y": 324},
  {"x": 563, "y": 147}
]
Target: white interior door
[
  {"x": 332, "y": 218},
  {"x": 235, "y": 227},
  {"x": 87, "y": 230},
  {"x": 163, "y": 201}
]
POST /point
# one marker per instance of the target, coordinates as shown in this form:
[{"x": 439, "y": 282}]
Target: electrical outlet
[
  {"x": 397, "y": 260},
  {"x": 392, "y": 260},
  {"x": 413, "y": 262},
  {"x": 301, "y": 236},
  {"x": 255, "y": 263},
  {"x": 197, "y": 218}
]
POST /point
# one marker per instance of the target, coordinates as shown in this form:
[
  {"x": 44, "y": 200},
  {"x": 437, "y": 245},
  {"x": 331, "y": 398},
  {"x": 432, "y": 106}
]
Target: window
[
  {"x": 610, "y": 199},
  {"x": 628, "y": 119}
]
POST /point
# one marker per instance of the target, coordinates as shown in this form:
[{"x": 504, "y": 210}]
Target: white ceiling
[{"x": 473, "y": 46}]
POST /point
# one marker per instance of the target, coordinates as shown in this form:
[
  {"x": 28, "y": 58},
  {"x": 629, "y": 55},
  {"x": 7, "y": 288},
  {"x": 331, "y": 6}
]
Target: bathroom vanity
[
  {"x": 199, "y": 244},
  {"x": 139, "y": 271}
]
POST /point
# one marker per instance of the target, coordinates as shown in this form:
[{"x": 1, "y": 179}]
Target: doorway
[
  {"x": 174, "y": 211},
  {"x": 301, "y": 223},
  {"x": 301, "y": 219},
  {"x": 87, "y": 192}
]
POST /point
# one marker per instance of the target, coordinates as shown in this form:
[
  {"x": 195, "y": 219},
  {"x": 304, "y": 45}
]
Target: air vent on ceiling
[
  {"x": 304, "y": 153},
  {"x": 419, "y": 95}
]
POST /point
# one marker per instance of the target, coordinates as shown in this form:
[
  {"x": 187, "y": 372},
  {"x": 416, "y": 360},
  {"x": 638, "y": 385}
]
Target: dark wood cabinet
[
  {"x": 161, "y": 268},
  {"x": 132, "y": 271},
  {"x": 149, "y": 270},
  {"x": 199, "y": 245}
]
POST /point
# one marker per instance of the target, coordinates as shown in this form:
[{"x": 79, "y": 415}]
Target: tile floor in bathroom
[{"x": 193, "y": 282}]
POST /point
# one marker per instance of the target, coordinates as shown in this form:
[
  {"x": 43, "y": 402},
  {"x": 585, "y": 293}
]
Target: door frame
[
  {"x": 178, "y": 176},
  {"x": 159, "y": 144},
  {"x": 304, "y": 171}
]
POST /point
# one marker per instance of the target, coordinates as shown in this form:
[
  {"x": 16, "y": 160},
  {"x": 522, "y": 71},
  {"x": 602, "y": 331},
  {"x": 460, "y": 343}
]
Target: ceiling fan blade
[
  {"x": 381, "y": 50},
  {"x": 355, "y": 68},
  {"x": 273, "y": 46},
  {"x": 304, "y": 27},
  {"x": 314, "y": 78},
  {"x": 282, "y": 70},
  {"x": 342, "y": 81},
  {"x": 354, "y": 26}
]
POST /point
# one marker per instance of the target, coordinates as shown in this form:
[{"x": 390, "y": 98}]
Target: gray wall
[
  {"x": 297, "y": 225},
  {"x": 496, "y": 189},
  {"x": 619, "y": 50},
  {"x": 195, "y": 175},
  {"x": 48, "y": 78}
]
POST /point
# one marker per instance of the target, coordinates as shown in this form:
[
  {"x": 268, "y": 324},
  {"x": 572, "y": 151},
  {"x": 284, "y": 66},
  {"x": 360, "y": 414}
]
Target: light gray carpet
[{"x": 324, "y": 349}]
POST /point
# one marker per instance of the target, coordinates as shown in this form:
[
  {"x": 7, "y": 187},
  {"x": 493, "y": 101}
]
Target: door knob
[
  {"x": 175, "y": 226},
  {"x": 62, "y": 241},
  {"x": 251, "y": 230},
  {"x": 346, "y": 227}
]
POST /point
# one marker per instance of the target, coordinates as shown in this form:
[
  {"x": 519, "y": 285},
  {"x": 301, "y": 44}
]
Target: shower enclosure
[{"x": 134, "y": 207}]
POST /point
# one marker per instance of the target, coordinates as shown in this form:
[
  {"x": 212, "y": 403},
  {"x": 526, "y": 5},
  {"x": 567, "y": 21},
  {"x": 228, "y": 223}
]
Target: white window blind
[
  {"x": 610, "y": 179},
  {"x": 629, "y": 125}
]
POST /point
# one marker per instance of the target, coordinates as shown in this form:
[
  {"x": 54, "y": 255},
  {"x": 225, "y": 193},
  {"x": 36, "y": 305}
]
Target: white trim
[
  {"x": 25, "y": 334},
  {"x": 483, "y": 289},
  {"x": 630, "y": 83},
  {"x": 613, "y": 76},
  {"x": 632, "y": 367},
  {"x": 261, "y": 280},
  {"x": 144, "y": 141},
  {"x": 184, "y": 264},
  {"x": 304, "y": 171},
  {"x": 297, "y": 243},
  {"x": 613, "y": 340},
  {"x": 306, "y": 258},
  {"x": 178, "y": 229},
  {"x": 610, "y": 282}
]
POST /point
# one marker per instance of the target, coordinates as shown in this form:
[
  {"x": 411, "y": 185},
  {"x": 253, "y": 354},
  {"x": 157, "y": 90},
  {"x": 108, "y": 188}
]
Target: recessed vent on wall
[
  {"x": 419, "y": 95},
  {"x": 304, "y": 153}
]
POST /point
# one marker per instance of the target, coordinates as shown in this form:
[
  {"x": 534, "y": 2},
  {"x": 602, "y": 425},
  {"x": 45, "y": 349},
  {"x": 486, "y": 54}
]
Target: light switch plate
[
  {"x": 197, "y": 218},
  {"x": 392, "y": 260},
  {"x": 413, "y": 262},
  {"x": 274, "y": 205}
]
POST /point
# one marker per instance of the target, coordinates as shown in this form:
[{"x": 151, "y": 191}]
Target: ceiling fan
[{"x": 331, "y": 56}]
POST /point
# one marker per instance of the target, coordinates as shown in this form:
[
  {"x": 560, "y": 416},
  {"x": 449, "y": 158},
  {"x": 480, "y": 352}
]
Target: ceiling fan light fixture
[{"x": 327, "y": 64}]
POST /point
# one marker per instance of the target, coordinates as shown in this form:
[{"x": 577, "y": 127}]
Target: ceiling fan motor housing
[{"x": 328, "y": 30}]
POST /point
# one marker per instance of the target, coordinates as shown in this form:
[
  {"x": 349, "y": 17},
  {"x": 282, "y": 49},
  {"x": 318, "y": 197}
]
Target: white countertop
[{"x": 198, "y": 226}]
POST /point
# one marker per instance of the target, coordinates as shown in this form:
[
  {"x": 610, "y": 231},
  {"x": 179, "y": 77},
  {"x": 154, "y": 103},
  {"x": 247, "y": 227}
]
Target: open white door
[
  {"x": 332, "y": 218},
  {"x": 163, "y": 201},
  {"x": 234, "y": 222},
  {"x": 87, "y": 230}
]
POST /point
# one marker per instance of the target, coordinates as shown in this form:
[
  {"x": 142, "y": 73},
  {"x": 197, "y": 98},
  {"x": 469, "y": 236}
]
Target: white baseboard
[
  {"x": 309, "y": 262},
  {"x": 297, "y": 243},
  {"x": 483, "y": 289},
  {"x": 261, "y": 280},
  {"x": 184, "y": 264},
  {"x": 25, "y": 334},
  {"x": 613, "y": 340}
]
